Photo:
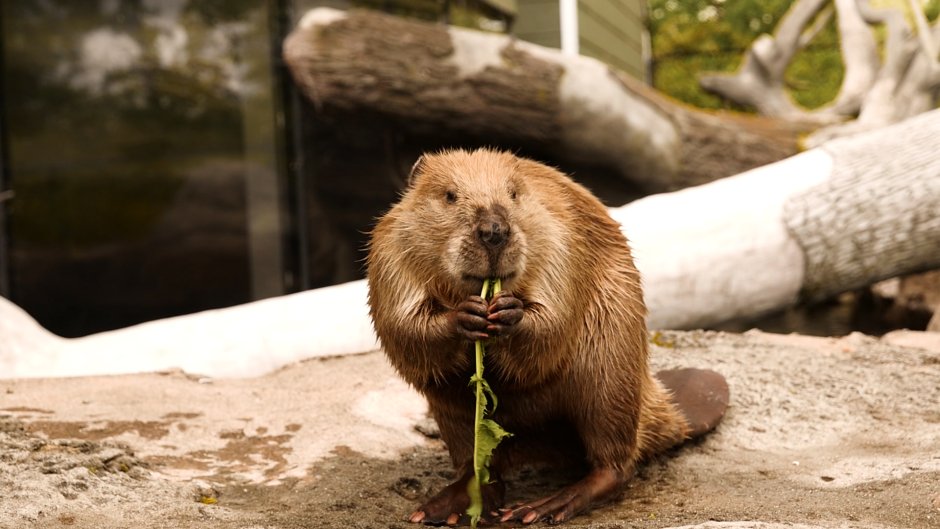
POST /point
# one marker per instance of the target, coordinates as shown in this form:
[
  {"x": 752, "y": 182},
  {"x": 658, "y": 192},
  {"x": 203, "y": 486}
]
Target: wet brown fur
[{"x": 577, "y": 361}]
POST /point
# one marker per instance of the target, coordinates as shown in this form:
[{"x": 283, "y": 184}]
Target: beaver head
[{"x": 464, "y": 216}]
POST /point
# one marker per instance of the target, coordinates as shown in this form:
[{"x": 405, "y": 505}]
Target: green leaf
[
  {"x": 488, "y": 437},
  {"x": 475, "y": 510}
]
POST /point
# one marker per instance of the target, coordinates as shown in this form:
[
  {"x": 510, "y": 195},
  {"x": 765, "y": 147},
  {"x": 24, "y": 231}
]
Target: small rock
[
  {"x": 109, "y": 454},
  {"x": 205, "y": 493},
  {"x": 428, "y": 428},
  {"x": 409, "y": 488},
  {"x": 932, "y": 326}
]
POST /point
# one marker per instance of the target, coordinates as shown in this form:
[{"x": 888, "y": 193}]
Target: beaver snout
[{"x": 492, "y": 229}]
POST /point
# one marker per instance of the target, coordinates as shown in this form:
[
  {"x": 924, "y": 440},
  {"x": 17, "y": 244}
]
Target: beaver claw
[
  {"x": 470, "y": 319},
  {"x": 504, "y": 312},
  {"x": 449, "y": 506},
  {"x": 567, "y": 503},
  {"x": 477, "y": 320}
]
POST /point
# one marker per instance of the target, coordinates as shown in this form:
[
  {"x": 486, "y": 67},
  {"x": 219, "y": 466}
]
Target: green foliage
[
  {"x": 678, "y": 76},
  {"x": 691, "y": 37},
  {"x": 815, "y": 75}
]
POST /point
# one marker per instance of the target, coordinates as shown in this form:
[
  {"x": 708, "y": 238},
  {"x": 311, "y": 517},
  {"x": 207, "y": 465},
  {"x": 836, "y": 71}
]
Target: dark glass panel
[{"x": 142, "y": 154}]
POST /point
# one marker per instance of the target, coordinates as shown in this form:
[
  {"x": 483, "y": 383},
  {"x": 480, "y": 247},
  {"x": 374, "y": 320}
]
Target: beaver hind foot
[{"x": 701, "y": 395}]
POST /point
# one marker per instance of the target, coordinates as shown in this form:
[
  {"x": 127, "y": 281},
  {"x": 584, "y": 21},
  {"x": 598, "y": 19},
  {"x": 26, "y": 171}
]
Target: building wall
[
  {"x": 609, "y": 30},
  {"x": 537, "y": 21}
]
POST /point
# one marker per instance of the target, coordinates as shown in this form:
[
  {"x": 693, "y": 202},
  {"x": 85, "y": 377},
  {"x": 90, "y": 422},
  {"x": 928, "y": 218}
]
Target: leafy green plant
[{"x": 486, "y": 433}]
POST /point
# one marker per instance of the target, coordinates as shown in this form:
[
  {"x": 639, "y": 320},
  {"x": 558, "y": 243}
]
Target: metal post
[{"x": 568, "y": 24}]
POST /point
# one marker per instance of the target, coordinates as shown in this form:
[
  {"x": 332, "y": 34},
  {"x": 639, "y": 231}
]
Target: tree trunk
[
  {"x": 432, "y": 78},
  {"x": 485, "y": 88},
  {"x": 876, "y": 216},
  {"x": 241, "y": 341},
  {"x": 832, "y": 219},
  {"x": 848, "y": 214}
]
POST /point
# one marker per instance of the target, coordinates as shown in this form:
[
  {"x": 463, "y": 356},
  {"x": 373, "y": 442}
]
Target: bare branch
[
  {"x": 923, "y": 30},
  {"x": 903, "y": 87},
  {"x": 818, "y": 25},
  {"x": 899, "y": 49},
  {"x": 788, "y": 32},
  {"x": 860, "y": 57},
  {"x": 759, "y": 82}
]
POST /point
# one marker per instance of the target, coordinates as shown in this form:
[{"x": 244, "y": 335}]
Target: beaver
[{"x": 566, "y": 338}]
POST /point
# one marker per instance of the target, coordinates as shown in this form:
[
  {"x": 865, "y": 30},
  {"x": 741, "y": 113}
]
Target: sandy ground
[{"x": 821, "y": 433}]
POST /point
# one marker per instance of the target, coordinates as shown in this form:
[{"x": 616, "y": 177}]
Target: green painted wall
[
  {"x": 609, "y": 30},
  {"x": 537, "y": 22}
]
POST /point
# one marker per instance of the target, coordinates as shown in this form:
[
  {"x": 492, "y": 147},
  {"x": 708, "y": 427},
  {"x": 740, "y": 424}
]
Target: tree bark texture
[
  {"x": 488, "y": 89},
  {"x": 826, "y": 221},
  {"x": 878, "y": 215},
  {"x": 433, "y": 79},
  {"x": 403, "y": 68}
]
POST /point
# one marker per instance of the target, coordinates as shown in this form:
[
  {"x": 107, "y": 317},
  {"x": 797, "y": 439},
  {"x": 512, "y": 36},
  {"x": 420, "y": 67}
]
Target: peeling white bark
[
  {"x": 483, "y": 85},
  {"x": 242, "y": 341},
  {"x": 721, "y": 250},
  {"x": 600, "y": 117}
]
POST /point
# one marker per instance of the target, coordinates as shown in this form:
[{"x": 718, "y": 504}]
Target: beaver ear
[{"x": 416, "y": 170}]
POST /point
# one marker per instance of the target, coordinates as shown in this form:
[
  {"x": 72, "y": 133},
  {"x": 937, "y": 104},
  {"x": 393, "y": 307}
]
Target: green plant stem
[{"x": 475, "y": 487}]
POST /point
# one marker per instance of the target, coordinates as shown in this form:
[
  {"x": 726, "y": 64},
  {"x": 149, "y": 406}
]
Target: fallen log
[
  {"x": 848, "y": 214},
  {"x": 431, "y": 77},
  {"x": 436, "y": 81},
  {"x": 833, "y": 219}
]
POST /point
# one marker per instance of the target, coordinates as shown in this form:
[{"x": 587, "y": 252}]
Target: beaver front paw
[
  {"x": 469, "y": 319},
  {"x": 504, "y": 311}
]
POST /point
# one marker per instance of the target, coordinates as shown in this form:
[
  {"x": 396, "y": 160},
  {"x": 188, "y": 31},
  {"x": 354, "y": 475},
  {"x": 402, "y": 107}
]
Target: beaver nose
[{"x": 493, "y": 230}]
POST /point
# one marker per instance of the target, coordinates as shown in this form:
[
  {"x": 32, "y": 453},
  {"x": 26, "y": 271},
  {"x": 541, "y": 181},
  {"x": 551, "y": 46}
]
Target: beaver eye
[
  {"x": 512, "y": 194},
  {"x": 450, "y": 197}
]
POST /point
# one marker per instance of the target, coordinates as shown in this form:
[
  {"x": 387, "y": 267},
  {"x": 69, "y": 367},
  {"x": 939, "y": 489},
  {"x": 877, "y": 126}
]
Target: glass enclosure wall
[
  {"x": 156, "y": 158},
  {"x": 143, "y": 142}
]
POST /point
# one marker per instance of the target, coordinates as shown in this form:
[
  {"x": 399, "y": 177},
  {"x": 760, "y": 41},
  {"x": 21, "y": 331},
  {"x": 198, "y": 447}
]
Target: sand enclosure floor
[{"x": 832, "y": 433}]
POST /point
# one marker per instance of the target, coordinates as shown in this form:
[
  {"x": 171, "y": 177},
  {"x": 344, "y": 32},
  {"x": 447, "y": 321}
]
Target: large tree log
[
  {"x": 444, "y": 78},
  {"x": 832, "y": 219},
  {"x": 488, "y": 88},
  {"x": 241, "y": 341}
]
